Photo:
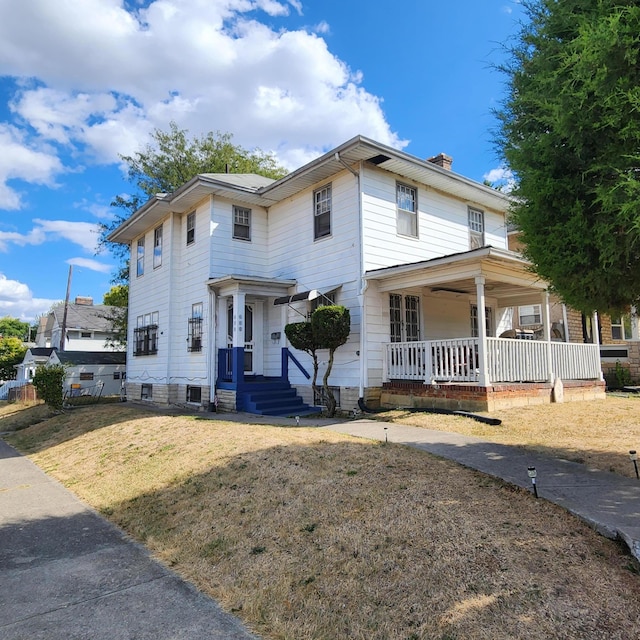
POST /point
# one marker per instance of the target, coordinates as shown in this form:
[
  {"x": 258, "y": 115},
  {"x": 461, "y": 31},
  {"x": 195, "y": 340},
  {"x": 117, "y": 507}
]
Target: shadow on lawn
[
  {"x": 362, "y": 539},
  {"x": 54, "y": 429}
]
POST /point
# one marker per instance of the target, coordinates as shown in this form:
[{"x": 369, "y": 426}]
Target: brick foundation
[{"x": 473, "y": 398}]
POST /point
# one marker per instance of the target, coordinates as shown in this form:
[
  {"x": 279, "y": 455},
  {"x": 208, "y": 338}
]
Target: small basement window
[
  {"x": 194, "y": 394},
  {"x": 146, "y": 392}
]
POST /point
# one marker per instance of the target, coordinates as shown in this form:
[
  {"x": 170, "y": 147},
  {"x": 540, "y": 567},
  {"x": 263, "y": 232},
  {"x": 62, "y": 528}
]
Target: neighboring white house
[
  {"x": 88, "y": 354},
  {"x": 412, "y": 249},
  {"x": 87, "y": 327},
  {"x": 92, "y": 372},
  {"x": 33, "y": 358}
]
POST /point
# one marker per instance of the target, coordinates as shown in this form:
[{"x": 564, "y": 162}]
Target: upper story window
[
  {"x": 145, "y": 334},
  {"x": 322, "y": 212},
  {"x": 476, "y": 228},
  {"x": 241, "y": 223},
  {"x": 407, "y": 216},
  {"x": 140, "y": 257},
  {"x": 157, "y": 246},
  {"x": 194, "y": 338},
  {"x": 529, "y": 314},
  {"x": 191, "y": 227}
]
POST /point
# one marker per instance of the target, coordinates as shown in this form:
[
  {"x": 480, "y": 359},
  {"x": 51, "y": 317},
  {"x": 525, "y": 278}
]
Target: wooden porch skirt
[{"x": 470, "y": 397}]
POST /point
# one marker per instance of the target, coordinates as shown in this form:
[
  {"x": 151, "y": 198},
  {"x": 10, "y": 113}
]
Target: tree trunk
[{"x": 331, "y": 401}]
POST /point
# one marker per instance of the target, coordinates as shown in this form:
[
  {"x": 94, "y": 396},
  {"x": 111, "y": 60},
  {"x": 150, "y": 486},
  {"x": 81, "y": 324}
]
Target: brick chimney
[
  {"x": 84, "y": 300},
  {"x": 442, "y": 160}
]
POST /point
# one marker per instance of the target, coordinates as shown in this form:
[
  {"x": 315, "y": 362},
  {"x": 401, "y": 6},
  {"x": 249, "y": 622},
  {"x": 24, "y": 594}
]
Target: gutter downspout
[{"x": 363, "y": 282}]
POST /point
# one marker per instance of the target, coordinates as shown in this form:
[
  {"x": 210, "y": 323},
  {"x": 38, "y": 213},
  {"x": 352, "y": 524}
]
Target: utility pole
[{"x": 63, "y": 337}]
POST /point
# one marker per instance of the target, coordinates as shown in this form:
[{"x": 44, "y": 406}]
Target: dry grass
[
  {"x": 308, "y": 534},
  {"x": 597, "y": 433},
  {"x": 18, "y": 415}
]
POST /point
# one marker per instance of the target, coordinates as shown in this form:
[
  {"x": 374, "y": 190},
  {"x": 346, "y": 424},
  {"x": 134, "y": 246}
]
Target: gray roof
[
  {"x": 92, "y": 357},
  {"x": 250, "y": 181},
  {"x": 82, "y": 316},
  {"x": 256, "y": 190}
]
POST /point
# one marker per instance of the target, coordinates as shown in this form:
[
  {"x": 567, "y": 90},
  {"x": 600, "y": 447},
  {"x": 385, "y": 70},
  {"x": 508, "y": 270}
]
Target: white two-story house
[{"x": 413, "y": 250}]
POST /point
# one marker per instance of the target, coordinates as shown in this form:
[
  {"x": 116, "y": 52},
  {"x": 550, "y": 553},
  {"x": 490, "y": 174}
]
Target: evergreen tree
[{"x": 570, "y": 131}]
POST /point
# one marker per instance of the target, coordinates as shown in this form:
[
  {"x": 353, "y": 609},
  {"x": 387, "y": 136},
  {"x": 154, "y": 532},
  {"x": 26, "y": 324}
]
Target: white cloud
[
  {"x": 85, "y": 234},
  {"x": 501, "y": 177},
  {"x": 322, "y": 28},
  {"x": 110, "y": 76},
  {"x": 92, "y": 265},
  {"x": 17, "y": 301},
  {"x": 23, "y": 160}
]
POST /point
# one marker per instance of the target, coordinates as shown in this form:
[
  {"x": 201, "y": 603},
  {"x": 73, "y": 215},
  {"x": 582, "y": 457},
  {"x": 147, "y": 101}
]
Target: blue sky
[{"x": 86, "y": 80}]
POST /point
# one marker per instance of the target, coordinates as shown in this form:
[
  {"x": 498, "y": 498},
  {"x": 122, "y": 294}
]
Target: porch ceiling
[{"x": 507, "y": 276}]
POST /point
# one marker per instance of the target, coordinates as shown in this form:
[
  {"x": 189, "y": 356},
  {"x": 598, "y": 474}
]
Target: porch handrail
[
  {"x": 508, "y": 360},
  {"x": 286, "y": 356}
]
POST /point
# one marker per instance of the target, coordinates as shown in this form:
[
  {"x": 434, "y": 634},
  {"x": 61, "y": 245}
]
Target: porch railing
[
  {"x": 434, "y": 360},
  {"x": 508, "y": 360}
]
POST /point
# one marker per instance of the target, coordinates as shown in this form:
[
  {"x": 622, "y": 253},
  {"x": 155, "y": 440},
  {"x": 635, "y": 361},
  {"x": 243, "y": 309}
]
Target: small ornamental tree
[
  {"x": 300, "y": 335},
  {"x": 48, "y": 381},
  {"x": 330, "y": 327}
]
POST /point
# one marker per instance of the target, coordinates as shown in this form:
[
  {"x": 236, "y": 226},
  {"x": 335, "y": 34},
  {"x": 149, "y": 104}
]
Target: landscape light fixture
[
  {"x": 533, "y": 474},
  {"x": 297, "y": 421},
  {"x": 386, "y": 439},
  {"x": 633, "y": 456}
]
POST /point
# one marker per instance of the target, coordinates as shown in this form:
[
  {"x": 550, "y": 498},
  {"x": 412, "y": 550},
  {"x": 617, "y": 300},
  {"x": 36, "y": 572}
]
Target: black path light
[
  {"x": 386, "y": 439},
  {"x": 533, "y": 474},
  {"x": 633, "y": 456}
]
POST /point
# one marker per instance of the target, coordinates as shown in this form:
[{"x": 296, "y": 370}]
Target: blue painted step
[{"x": 272, "y": 398}]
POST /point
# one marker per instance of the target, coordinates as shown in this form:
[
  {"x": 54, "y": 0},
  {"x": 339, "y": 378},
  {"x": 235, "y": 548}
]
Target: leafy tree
[
  {"x": 331, "y": 326},
  {"x": 11, "y": 353},
  {"x": 48, "y": 381},
  {"x": 12, "y": 327},
  {"x": 173, "y": 159},
  {"x": 118, "y": 298},
  {"x": 328, "y": 328},
  {"x": 300, "y": 335},
  {"x": 569, "y": 129}
]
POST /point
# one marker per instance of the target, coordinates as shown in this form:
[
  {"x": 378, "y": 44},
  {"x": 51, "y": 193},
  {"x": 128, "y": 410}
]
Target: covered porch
[{"x": 438, "y": 338}]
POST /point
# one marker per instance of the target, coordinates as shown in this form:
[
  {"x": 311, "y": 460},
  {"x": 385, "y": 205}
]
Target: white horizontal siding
[
  {"x": 149, "y": 293},
  {"x": 443, "y": 227},
  {"x": 190, "y": 265},
  {"x": 229, "y": 255}
]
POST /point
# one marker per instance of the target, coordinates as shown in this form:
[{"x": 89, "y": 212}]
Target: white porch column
[
  {"x": 635, "y": 332},
  {"x": 595, "y": 333},
  {"x": 212, "y": 357},
  {"x": 546, "y": 326},
  {"x": 483, "y": 375},
  {"x": 238, "y": 319}
]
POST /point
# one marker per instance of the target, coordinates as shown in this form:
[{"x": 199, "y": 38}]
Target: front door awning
[{"x": 312, "y": 294}]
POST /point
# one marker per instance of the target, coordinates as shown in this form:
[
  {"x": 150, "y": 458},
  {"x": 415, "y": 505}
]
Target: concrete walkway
[
  {"x": 67, "y": 574},
  {"x": 608, "y": 502}
]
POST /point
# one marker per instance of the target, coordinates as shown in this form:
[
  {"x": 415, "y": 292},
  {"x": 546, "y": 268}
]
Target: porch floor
[{"x": 468, "y": 396}]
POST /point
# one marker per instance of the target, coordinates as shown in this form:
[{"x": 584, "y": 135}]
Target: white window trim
[
  {"x": 237, "y": 212},
  {"x": 402, "y": 188},
  {"x": 476, "y": 227},
  {"x": 320, "y": 204},
  {"x": 157, "y": 246}
]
